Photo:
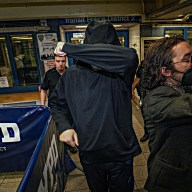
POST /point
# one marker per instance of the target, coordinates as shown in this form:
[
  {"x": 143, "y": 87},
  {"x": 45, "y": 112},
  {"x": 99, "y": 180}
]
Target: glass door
[
  {"x": 6, "y": 77},
  {"x": 24, "y": 57},
  {"x": 75, "y": 37}
]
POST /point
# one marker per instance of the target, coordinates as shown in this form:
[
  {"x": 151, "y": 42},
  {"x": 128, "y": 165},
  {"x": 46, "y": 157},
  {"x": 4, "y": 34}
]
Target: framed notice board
[{"x": 145, "y": 43}]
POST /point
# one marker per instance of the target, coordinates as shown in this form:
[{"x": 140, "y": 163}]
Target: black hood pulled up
[{"x": 101, "y": 32}]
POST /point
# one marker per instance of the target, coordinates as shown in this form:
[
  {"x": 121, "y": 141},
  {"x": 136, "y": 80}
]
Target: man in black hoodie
[{"x": 91, "y": 106}]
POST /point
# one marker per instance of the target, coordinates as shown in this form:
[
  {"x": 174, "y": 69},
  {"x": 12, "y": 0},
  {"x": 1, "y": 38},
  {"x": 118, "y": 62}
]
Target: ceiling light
[
  {"x": 117, "y": 25},
  {"x": 85, "y": 26},
  {"x": 182, "y": 1},
  {"x": 81, "y": 26},
  {"x": 178, "y": 19},
  {"x": 181, "y": 15}
]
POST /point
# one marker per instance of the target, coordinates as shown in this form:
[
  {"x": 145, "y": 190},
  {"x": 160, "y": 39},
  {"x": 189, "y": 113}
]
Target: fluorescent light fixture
[
  {"x": 85, "y": 26},
  {"x": 178, "y": 19},
  {"x": 181, "y": 15},
  {"x": 182, "y": 1},
  {"x": 22, "y": 38},
  {"x": 171, "y": 25},
  {"x": 117, "y": 25},
  {"x": 81, "y": 26}
]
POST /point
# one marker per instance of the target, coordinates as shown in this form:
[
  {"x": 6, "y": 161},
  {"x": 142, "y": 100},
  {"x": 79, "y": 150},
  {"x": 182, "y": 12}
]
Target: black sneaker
[{"x": 144, "y": 138}]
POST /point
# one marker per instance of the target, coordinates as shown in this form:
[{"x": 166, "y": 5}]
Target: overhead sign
[
  {"x": 112, "y": 19},
  {"x": 79, "y": 35}
]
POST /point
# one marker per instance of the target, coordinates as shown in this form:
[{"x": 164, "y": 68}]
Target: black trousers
[
  {"x": 110, "y": 177},
  {"x": 145, "y": 130}
]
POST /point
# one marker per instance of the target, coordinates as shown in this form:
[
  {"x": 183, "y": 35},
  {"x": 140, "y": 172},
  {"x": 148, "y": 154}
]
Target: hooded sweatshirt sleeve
[
  {"x": 59, "y": 108},
  {"x": 111, "y": 58}
]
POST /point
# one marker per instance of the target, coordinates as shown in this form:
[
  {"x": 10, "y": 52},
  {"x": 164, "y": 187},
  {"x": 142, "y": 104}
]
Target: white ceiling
[{"x": 152, "y": 10}]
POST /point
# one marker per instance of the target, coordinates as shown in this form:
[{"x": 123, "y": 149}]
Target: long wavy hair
[{"x": 159, "y": 54}]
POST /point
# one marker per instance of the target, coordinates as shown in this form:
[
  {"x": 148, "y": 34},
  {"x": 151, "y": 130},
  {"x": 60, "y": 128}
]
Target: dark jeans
[{"x": 110, "y": 177}]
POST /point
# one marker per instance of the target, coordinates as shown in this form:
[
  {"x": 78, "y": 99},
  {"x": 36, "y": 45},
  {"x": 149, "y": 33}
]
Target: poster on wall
[
  {"x": 4, "y": 82},
  {"x": 46, "y": 43},
  {"x": 49, "y": 64}
]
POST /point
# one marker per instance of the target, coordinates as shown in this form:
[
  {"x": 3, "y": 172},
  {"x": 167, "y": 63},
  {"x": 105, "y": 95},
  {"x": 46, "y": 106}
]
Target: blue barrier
[{"x": 29, "y": 142}]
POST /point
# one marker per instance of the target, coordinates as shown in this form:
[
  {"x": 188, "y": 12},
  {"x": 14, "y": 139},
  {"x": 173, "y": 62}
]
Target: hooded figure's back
[
  {"x": 101, "y": 32},
  {"x": 98, "y": 104}
]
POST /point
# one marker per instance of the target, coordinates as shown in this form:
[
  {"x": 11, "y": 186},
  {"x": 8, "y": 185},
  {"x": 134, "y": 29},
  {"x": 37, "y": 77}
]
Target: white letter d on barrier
[{"x": 6, "y": 136}]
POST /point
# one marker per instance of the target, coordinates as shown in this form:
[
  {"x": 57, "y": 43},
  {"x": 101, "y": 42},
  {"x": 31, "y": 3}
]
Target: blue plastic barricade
[{"x": 29, "y": 142}]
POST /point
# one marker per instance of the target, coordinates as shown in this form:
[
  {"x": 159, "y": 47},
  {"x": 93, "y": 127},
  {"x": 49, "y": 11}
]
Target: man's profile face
[
  {"x": 182, "y": 59},
  {"x": 60, "y": 63}
]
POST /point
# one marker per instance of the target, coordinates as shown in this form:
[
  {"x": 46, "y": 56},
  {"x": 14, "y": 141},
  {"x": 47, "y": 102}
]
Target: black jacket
[
  {"x": 168, "y": 115},
  {"x": 94, "y": 96},
  {"x": 98, "y": 107}
]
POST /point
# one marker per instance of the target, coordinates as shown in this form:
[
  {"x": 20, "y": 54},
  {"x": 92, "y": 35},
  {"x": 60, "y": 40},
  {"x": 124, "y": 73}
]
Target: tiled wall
[{"x": 134, "y": 38}]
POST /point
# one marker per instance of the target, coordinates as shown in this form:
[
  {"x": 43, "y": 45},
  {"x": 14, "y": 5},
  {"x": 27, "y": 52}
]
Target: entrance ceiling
[
  {"x": 168, "y": 9},
  {"x": 152, "y": 10}
]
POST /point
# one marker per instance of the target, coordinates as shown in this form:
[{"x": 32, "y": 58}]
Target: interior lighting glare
[{"x": 85, "y": 26}]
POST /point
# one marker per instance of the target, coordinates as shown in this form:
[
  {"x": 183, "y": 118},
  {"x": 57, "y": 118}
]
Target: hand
[
  {"x": 70, "y": 137},
  {"x": 133, "y": 95},
  {"x": 58, "y": 49}
]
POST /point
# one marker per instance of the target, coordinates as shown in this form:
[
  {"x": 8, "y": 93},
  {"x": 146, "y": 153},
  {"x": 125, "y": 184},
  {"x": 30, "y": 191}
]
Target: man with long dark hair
[{"x": 168, "y": 114}]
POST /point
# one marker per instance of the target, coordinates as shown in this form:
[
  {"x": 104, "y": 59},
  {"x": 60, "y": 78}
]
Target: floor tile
[
  {"x": 140, "y": 184},
  {"x": 140, "y": 172},
  {"x": 140, "y": 160}
]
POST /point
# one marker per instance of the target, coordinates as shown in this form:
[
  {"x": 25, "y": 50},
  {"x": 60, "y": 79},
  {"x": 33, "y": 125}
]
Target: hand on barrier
[
  {"x": 58, "y": 50},
  {"x": 70, "y": 137}
]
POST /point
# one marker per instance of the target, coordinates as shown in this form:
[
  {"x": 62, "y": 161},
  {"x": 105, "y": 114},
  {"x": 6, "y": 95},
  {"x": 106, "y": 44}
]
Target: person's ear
[{"x": 165, "y": 72}]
